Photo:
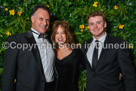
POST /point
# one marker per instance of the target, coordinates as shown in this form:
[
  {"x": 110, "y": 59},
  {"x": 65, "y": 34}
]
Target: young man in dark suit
[
  {"x": 31, "y": 64},
  {"x": 105, "y": 60}
]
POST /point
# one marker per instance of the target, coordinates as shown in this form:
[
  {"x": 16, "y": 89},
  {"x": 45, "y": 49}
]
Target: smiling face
[
  {"x": 40, "y": 20},
  {"x": 60, "y": 36},
  {"x": 96, "y": 26}
]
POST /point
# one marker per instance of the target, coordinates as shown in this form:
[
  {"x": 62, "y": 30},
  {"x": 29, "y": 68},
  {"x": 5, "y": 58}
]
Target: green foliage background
[{"x": 75, "y": 12}]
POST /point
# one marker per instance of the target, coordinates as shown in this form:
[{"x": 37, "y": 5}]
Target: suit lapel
[
  {"x": 88, "y": 43},
  {"x": 103, "y": 53},
  {"x": 30, "y": 39},
  {"x": 86, "y": 47}
]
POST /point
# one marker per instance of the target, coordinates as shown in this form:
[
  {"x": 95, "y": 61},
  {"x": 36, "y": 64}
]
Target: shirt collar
[
  {"x": 35, "y": 31},
  {"x": 102, "y": 39}
]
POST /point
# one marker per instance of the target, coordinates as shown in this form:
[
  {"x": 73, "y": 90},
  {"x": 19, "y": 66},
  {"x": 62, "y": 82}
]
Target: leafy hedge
[{"x": 121, "y": 17}]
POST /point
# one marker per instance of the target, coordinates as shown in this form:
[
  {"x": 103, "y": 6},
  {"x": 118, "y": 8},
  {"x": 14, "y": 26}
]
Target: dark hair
[
  {"x": 97, "y": 13},
  {"x": 39, "y": 6},
  {"x": 65, "y": 26}
]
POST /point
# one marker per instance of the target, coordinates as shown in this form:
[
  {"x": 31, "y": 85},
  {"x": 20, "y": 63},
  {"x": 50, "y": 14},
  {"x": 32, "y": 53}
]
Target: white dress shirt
[
  {"x": 91, "y": 48},
  {"x": 47, "y": 55}
]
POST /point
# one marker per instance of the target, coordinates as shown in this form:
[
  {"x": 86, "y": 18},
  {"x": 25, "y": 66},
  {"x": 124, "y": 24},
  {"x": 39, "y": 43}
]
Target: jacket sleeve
[
  {"x": 128, "y": 70},
  {"x": 10, "y": 65}
]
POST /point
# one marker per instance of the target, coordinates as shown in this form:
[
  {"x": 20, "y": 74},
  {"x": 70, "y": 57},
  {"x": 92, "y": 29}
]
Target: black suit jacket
[
  {"x": 105, "y": 77},
  {"x": 24, "y": 65}
]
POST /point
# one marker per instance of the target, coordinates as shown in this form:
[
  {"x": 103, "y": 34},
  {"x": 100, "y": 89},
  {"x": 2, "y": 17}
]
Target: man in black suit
[
  {"x": 105, "y": 60},
  {"x": 29, "y": 60}
]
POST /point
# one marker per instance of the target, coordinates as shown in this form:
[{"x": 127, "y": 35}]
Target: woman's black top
[{"x": 69, "y": 71}]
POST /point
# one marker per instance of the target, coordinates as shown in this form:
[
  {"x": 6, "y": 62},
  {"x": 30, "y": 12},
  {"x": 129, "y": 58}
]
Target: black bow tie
[{"x": 44, "y": 36}]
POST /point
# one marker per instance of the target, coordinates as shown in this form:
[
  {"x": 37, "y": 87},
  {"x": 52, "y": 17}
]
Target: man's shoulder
[
  {"x": 17, "y": 36},
  {"x": 115, "y": 39}
]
